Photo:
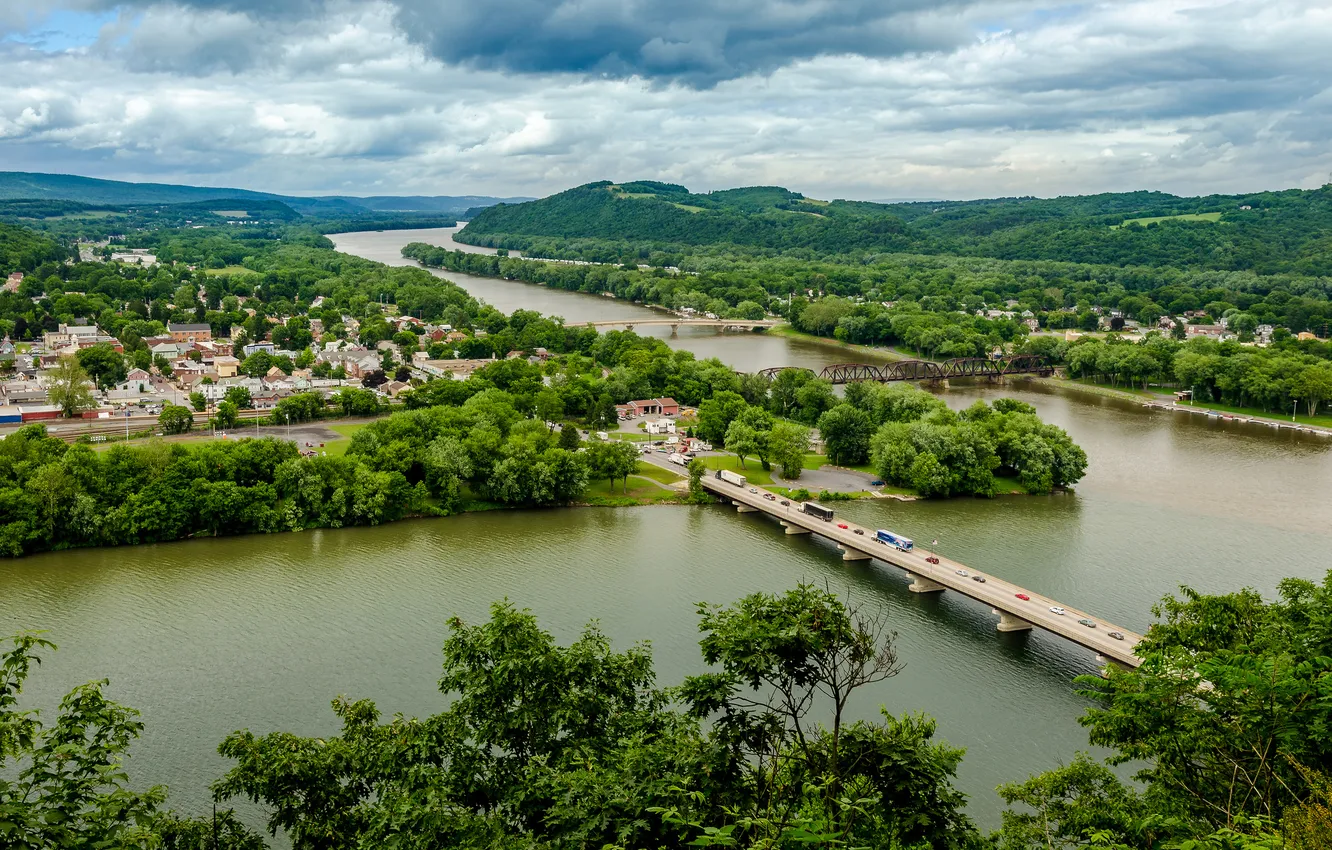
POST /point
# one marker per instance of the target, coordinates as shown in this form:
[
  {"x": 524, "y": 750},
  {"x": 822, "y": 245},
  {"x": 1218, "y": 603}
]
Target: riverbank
[
  {"x": 881, "y": 352},
  {"x": 1321, "y": 424}
]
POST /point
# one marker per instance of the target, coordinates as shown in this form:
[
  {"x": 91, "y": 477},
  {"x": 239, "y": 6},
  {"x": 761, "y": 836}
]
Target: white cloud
[{"x": 1181, "y": 95}]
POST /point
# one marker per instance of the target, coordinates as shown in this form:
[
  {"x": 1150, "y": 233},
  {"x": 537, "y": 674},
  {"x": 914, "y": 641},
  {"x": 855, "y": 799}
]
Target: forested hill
[
  {"x": 15, "y": 185},
  {"x": 23, "y": 250},
  {"x": 1268, "y": 232}
]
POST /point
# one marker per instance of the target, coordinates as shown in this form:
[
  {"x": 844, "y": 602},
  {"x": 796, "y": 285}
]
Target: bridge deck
[{"x": 995, "y": 592}]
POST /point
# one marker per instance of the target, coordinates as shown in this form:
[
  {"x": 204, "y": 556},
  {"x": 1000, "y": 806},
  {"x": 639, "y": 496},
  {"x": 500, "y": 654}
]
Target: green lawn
[
  {"x": 1211, "y": 216},
  {"x": 641, "y": 491},
  {"x": 231, "y": 270},
  {"x": 338, "y": 448},
  {"x": 656, "y": 473},
  {"x": 753, "y": 470},
  {"x": 631, "y": 437}
]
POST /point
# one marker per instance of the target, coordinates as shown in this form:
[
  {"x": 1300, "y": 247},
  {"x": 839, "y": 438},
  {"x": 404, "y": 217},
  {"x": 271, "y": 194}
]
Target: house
[
  {"x": 69, "y": 335},
  {"x": 169, "y": 350},
  {"x": 650, "y": 406},
  {"x": 138, "y": 380},
  {"x": 394, "y": 388},
  {"x": 459, "y": 370},
  {"x": 454, "y": 336},
  {"x": 251, "y": 347},
  {"x": 1032, "y": 325},
  {"x": 190, "y": 333},
  {"x": 12, "y": 285},
  {"x": 1305, "y": 335},
  {"x": 1216, "y": 331},
  {"x": 226, "y": 365},
  {"x": 660, "y": 426}
]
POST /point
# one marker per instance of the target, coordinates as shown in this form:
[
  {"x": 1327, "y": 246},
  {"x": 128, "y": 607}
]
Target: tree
[
  {"x": 715, "y": 415},
  {"x": 175, "y": 419},
  {"x": 198, "y": 401},
  {"x": 103, "y": 363},
  {"x": 742, "y": 440},
  {"x": 788, "y": 443},
  {"x": 569, "y": 439},
  {"x": 240, "y": 397},
  {"x": 846, "y": 433},
  {"x": 777, "y": 655},
  {"x": 1314, "y": 386},
  {"x": 227, "y": 415},
  {"x": 613, "y": 459},
  {"x": 163, "y": 366},
  {"x": 67, "y": 387}
]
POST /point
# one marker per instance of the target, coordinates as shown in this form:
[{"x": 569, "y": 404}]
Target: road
[{"x": 995, "y": 592}]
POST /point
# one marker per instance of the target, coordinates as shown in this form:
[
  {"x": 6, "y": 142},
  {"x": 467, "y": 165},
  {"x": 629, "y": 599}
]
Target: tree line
[{"x": 550, "y": 745}]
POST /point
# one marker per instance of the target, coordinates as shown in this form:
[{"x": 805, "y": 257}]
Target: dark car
[
  {"x": 979, "y": 578},
  {"x": 859, "y": 531},
  {"x": 784, "y": 502}
]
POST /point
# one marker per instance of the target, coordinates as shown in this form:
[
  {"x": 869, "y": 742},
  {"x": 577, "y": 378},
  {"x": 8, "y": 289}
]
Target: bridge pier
[
  {"x": 628, "y": 327},
  {"x": 920, "y": 584},
  {"x": 852, "y": 554},
  {"x": 742, "y": 508},
  {"x": 675, "y": 330},
  {"x": 1011, "y": 622},
  {"x": 792, "y": 528}
]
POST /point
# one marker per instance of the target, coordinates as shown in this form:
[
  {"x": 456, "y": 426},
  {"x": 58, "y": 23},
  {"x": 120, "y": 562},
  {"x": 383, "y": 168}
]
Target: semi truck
[
  {"x": 731, "y": 477},
  {"x": 677, "y": 458},
  {"x": 887, "y": 537},
  {"x": 816, "y": 510}
]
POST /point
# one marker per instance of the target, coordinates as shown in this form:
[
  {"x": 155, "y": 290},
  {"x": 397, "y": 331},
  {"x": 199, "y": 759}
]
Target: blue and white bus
[{"x": 903, "y": 543}]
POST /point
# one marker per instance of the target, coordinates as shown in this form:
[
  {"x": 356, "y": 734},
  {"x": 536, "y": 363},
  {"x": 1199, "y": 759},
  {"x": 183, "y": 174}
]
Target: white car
[
  {"x": 962, "y": 573},
  {"x": 753, "y": 489},
  {"x": 1055, "y": 609}
]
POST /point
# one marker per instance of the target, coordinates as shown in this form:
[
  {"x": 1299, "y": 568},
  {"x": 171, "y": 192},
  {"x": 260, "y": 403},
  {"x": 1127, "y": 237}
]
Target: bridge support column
[
  {"x": 675, "y": 330},
  {"x": 628, "y": 327},
  {"x": 920, "y": 584},
  {"x": 1011, "y": 622},
  {"x": 791, "y": 528},
  {"x": 852, "y": 554},
  {"x": 742, "y": 508}
]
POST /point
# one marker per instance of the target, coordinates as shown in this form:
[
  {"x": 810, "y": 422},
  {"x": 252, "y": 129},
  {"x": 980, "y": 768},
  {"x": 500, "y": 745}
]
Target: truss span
[{"x": 927, "y": 370}]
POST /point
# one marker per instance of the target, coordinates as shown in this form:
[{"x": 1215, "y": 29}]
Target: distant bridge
[
  {"x": 676, "y": 322},
  {"x": 926, "y": 370}
]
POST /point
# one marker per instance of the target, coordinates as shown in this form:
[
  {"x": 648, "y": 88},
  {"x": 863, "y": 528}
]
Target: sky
[{"x": 865, "y": 99}]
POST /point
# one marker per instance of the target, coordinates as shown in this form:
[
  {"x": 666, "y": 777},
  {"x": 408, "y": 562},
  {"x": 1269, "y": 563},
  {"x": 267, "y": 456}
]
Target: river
[{"x": 209, "y": 636}]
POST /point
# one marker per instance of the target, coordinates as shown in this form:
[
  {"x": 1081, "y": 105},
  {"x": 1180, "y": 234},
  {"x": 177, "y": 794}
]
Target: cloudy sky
[{"x": 836, "y": 98}]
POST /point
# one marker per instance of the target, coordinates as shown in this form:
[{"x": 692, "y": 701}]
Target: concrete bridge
[
  {"x": 927, "y": 370},
  {"x": 676, "y": 322},
  {"x": 1015, "y": 614}
]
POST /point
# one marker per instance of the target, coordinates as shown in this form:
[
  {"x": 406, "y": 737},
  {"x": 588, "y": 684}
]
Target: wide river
[{"x": 209, "y": 636}]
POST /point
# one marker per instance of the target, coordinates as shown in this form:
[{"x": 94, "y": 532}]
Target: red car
[
  {"x": 842, "y": 525},
  {"x": 931, "y": 559},
  {"x": 1024, "y": 597}
]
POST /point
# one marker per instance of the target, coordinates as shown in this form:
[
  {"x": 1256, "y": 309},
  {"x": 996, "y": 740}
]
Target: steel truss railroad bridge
[{"x": 926, "y": 370}]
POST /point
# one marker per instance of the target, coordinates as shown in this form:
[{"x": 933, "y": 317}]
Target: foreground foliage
[{"x": 543, "y": 745}]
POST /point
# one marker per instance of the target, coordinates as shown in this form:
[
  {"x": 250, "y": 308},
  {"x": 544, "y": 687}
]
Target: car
[
  {"x": 962, "y": 573},
  {"x": 770, "y": 497},
  {"x": 753, "y": 489},
  {"x": 978, "y": 577},
  {"x": 842, "y": 525},
  {"x": 1024, "y": 597},
  {"x": 1117, "y": 635},
  {"x": 876, "y": 483},
  {"x": 1055, "y": 609},
  {"x": 858, "y": 531},
  {"x": 1088, "y": 623},
  {"x": 930, "y": 559},
  {"x": 784, "y": 502}
]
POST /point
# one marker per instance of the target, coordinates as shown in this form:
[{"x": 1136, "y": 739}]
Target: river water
[{"x": 209, "y": 636}]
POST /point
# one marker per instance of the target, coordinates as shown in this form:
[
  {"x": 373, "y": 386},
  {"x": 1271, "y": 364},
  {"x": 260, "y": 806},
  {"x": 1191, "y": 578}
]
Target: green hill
[
  {"x": 1267, "y": 232},
  {"x": 21, "y": 185}
]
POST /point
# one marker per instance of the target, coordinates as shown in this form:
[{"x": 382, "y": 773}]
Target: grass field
[
  {"x": 641, "y": 491},
  {"x": 1211, "y": 216},
  {"x": 688, "y": 208},
  {"x": 338, "y": 448},
  {"x": 232, "y": 270},
  {"x": 753, "y": 471},
  {"x": 656, "y": 473}
]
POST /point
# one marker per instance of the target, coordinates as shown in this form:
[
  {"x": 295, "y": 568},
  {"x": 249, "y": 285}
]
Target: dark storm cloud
[{"x": 694, "y": 41}]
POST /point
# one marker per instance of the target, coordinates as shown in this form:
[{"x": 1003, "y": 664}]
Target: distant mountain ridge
[
  {"x": 16, "y": 185},
  {"x": 1287, "y": 230}
]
